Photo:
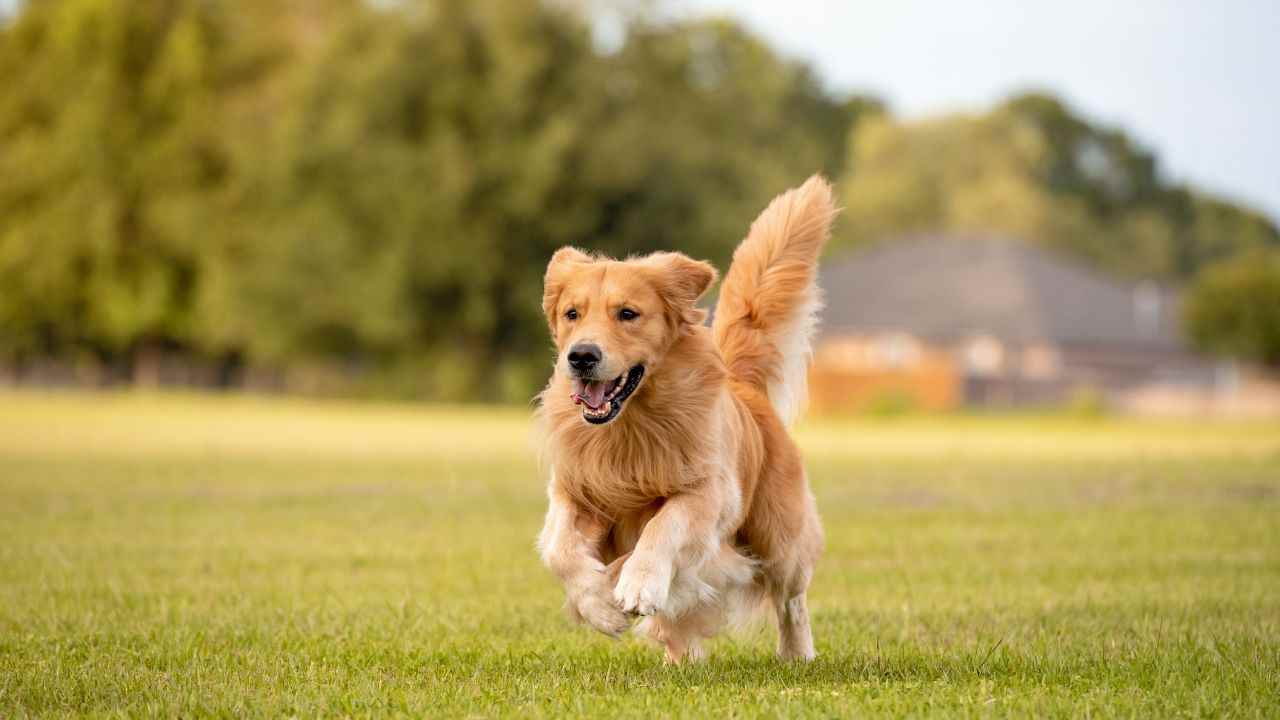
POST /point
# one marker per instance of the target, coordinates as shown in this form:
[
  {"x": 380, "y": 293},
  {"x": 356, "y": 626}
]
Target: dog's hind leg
[
  {"x": 788, "y": 579},
  {"x": 787, "y": 566},
  {"x": 795, "y": 638}
]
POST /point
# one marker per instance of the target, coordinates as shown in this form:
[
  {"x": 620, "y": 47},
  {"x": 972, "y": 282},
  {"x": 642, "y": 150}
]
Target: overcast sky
[{"x": 1197, "y": 81}]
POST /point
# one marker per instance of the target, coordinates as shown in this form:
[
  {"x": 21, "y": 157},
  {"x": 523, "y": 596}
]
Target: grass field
[{"x": 175, "y": 555}]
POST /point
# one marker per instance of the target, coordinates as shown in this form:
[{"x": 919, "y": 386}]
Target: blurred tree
[
  {"x": 377, "y": 186},
  {"x": 441, "y": 151},
  {"x": 369, "y": 184},
  {"x": 405, "y": 200},
  {"x": 1233, "y": 308},
  {"x": 1218, "y": 229},
  {"x": 111, "y": 157}
]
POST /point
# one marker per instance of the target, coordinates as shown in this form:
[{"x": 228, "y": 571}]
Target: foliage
[
  {"x": 337, "y": 189},
  {"x": 111, "y": 164},
  {"x": 1234, "y": 308},
  {"x": 373, "y": 185}
]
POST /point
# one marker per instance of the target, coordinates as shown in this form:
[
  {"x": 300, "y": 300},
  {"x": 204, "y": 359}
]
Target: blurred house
[{"x": 939, "y": 323}]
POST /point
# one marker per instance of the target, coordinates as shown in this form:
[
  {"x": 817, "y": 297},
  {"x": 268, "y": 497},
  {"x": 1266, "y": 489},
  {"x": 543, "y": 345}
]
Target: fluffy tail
[{"x": 770, "y": 299}]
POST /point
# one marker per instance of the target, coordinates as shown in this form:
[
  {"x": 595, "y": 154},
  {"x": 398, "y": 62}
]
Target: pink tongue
[{"x": 592, "y": 393}]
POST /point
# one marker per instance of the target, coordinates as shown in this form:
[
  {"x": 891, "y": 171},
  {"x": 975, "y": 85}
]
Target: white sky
[{"x": 1198, "y": 81}]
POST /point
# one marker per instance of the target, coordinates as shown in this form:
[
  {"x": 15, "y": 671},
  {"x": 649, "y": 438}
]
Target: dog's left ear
[{"x": 681, "y": 280}]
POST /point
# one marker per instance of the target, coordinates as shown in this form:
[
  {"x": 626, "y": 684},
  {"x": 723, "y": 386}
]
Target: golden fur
[{"x": 692, "y": 502}]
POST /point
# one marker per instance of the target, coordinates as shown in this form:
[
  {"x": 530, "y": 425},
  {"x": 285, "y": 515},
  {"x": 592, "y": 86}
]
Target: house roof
[{"x": 949, "y": 288}]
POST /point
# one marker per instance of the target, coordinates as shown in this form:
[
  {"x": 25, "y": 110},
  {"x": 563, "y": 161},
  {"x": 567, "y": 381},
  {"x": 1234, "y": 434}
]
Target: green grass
[{"x": 190, "y": 556}]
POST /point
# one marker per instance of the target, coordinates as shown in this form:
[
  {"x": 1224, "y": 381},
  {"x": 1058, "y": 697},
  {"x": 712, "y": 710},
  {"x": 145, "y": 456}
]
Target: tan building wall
[{"x": 854, "y": 373}]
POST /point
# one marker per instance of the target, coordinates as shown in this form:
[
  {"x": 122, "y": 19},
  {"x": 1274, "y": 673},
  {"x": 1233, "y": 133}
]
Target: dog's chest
[
  {"x": 620, "y": 490},
  {"x": 617, "y": 481}
]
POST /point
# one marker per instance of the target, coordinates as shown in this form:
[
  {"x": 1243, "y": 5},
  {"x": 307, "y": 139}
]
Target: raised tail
[{"x": 769, "y": 301}]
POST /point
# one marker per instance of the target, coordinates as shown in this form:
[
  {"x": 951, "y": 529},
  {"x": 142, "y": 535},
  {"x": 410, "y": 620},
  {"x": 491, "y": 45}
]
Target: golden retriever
[{"x": 675, "y": 491}]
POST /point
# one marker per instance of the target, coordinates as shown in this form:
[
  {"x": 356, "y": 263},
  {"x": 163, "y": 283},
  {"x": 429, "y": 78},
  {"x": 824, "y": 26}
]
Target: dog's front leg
[
  {"x": 570, "y": 545},
  {"x": 679, "y": 537}
]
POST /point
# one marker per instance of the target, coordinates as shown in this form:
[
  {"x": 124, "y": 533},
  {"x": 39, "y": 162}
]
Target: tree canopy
[
  {"x": 1233, "y": 309},
  {"x": 375, "y": 187}
]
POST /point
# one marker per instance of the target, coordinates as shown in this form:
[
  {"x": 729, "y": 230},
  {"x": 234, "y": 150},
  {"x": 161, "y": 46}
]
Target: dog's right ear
[
  {"x": 553, "y": 282},
  {"x": 680, "y": 281}
]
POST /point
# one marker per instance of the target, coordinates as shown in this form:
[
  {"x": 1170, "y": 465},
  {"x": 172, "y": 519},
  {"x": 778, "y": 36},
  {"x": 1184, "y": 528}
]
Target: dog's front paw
[
  {"x": 644, "y": 586},
  {"x": 595, "y": 608}
]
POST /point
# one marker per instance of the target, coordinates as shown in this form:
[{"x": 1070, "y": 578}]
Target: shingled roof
[{"x": 947, "y": 288}]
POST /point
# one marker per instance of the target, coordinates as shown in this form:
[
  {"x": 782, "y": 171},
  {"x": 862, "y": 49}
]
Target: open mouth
[{"x": 601, "y": 401}]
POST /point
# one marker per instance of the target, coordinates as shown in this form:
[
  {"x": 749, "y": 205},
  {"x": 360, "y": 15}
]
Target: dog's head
[{"x": 613, "y": 321}]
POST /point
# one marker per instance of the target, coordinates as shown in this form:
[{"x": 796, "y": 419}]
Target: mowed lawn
[{"x": 192, "y": 556}]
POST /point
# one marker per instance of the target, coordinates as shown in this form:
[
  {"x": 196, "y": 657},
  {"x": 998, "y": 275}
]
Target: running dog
[{"x": 676, "y": 493}]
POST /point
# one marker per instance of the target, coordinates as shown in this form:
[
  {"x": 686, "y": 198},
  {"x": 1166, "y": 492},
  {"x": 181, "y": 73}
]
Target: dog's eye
[
  {"x": 571, "y": 314},
  {"x": 627, "y": 314}
]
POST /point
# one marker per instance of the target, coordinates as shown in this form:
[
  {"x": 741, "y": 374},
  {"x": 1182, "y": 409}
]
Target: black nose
[{"x": 584, "y": 357}]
